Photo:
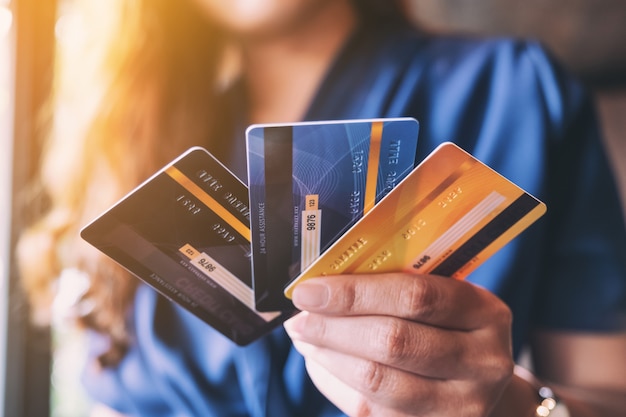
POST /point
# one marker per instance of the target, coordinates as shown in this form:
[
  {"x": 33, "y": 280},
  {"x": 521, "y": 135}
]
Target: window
[
  {"x": 26, "y": 52},
  {"x": 6, "y": 147}
]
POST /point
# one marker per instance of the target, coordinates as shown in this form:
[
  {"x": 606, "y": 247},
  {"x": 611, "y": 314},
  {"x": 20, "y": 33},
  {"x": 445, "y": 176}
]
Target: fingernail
[{"x": 310, "y": 295}]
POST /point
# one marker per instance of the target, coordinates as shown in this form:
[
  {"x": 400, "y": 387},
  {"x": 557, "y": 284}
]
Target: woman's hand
[{"x": 403, "y": 345}]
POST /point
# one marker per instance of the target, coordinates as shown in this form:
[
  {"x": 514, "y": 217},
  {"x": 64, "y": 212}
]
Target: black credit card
[{"x": 186, "y": 232}]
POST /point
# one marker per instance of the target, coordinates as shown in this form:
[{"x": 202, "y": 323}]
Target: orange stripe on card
[
  {"x": 209, "y": 201},
  {"x": 189, "y": 251},
  {"x": 372, "y": 166},
  {"x": 311, "y": 201}
]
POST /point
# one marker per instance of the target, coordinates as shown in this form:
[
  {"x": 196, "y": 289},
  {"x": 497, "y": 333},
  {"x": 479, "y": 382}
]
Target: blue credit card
[{"x": 308, "y": 183}]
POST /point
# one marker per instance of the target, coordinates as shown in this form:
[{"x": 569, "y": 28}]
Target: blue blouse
[{"x": 501, "y": 100}]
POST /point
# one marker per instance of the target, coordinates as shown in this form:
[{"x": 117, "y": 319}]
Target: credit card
[
  {"x": 309, "y": 182},
  {"x": 185, "y": 232},
  {"x": 446, "y": 218}
]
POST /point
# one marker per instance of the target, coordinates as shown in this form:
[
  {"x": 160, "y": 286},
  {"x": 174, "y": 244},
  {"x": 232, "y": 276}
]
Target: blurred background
[
  {"x": 587, "y": 36},
  {"x": 39, "y": 366}
]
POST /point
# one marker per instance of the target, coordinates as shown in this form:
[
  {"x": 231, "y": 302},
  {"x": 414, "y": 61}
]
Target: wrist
[
  {"x": 525, "y": 396},
  {"x": 517, "y": 400}
]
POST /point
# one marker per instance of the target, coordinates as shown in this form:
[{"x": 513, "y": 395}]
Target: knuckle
[
  {"x": 372, "y": 375},
  {"x": 348, "y": 299},
  {"x": 394, "y": 342},
  {"x": 363, "y": 408},
  {"x": 420, "y": 299}
]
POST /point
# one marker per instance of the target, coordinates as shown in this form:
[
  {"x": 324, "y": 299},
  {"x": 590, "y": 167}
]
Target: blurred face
[{"x": 264, "y": 17}]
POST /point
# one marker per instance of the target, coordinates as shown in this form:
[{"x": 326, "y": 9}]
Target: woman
[{"x": 198, "y": 72}]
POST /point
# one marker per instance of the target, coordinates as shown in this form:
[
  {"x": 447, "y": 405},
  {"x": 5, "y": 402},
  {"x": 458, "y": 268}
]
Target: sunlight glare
[{"x": 6, "y": 20}]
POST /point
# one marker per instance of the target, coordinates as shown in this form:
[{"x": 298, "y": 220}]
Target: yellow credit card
[{"x": 447, "y": 217}]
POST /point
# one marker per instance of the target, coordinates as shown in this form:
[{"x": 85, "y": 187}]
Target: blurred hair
[
  {"x": 150, "y": 93},
  {"x": 146, "y": 98}
]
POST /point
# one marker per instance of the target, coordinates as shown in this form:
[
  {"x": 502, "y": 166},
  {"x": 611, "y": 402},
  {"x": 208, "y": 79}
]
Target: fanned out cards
[{"x": 324, "y": 198}]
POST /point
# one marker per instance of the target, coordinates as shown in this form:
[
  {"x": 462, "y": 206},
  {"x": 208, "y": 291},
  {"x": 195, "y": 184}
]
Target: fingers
[
  {"x": 364, "y": 388},
  {"x": 401, "y": 344},
  {"x": 433, "y": 300},
  {"x": 420, "y": 349}
]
